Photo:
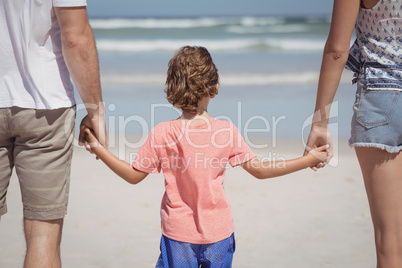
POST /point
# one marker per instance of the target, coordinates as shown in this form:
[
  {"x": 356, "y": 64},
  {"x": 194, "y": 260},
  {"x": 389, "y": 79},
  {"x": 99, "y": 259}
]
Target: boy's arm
[
  {"x": 271, "y": 169},
  {"x": 118, "y": 166}
]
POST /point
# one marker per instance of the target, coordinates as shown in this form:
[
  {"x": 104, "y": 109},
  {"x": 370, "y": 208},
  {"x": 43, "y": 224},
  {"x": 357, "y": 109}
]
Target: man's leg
[
  {"x": 6, "y": 159},
  {"x": 42, "y": 158},
  {"x": 43, "y": 243}
]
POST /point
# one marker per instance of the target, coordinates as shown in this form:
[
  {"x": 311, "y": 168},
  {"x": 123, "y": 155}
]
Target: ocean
[{"x": 268, "y": 67}]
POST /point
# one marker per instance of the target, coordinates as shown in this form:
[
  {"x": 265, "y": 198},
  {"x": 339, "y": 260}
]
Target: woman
[{"x": 376, "y": 59}]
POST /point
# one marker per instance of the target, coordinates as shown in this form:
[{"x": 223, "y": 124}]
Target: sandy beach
[{"x": 305, "y": 220}]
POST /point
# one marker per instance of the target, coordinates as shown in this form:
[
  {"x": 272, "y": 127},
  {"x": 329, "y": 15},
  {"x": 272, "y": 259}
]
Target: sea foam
[
  {"x": 226, "y": 79},
  {"x": 247, "y": 44},
  {"x": 154, "y": 23}
]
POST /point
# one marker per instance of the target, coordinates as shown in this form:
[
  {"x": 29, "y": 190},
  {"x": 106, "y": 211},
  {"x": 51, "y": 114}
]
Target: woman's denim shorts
[{"x": 377, "y": 119}]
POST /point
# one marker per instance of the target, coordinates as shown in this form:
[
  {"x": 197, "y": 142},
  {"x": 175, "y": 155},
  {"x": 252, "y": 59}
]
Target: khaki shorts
[{"x": 39, "y": 144}]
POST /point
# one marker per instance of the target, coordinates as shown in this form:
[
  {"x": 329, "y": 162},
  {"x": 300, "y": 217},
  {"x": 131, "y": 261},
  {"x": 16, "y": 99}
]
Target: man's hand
[{"x": 96, "y": 124}]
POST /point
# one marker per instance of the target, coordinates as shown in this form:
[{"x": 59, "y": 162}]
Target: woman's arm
[
  {"x": 336, "y": 52},
  {"x": 271, "y": 169},
  {"x": 120, "y": 167}
]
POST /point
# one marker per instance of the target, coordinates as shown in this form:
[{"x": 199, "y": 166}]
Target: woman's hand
[
  {"x": 318, "y": 155},
  {"x": 318, "y": 137}
]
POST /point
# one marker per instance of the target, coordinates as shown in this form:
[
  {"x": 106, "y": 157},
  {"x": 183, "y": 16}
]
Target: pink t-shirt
[{"x": 194, "y": 207}]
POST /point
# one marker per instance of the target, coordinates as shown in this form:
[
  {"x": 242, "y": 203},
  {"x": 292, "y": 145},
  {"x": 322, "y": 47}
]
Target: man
[{"x": 41, "y": 43}]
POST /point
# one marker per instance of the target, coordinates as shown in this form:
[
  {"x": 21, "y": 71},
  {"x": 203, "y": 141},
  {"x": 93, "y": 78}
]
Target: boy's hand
[
  {"x": 319, "y": 135},
  {"x": 91, "y": 140},
  {"x": 318, "y": 155}
]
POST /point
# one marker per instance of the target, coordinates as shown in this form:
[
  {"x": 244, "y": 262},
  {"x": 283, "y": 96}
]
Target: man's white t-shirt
[{"x": 33, "y": 73}]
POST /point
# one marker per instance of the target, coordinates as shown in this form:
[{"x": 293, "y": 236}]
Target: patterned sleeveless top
[{"x": 377, "y": 52}]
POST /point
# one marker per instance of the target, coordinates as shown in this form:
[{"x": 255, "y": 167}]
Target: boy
[{"x": 193, "y": 151}]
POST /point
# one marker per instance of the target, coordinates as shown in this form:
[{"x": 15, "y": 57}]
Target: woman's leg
[{"x": 382, "y": 173}]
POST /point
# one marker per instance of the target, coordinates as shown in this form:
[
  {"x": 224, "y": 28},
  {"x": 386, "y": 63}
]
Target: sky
[{"x": 191, "y": 8}]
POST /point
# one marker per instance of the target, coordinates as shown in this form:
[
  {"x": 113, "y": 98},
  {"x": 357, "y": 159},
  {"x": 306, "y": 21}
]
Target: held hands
[
  {"x": 319, "y": 136},
  {"x": 318, "y": 155},
  {"x": 94, "y": 121},
  {"x": 91, "y": 141}
]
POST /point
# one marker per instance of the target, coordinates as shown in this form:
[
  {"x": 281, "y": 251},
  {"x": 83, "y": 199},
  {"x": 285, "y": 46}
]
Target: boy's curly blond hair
[{"x": 191, "y": 76}]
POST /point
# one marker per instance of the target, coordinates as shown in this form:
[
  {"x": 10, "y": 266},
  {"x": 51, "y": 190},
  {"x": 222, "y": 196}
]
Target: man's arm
[{"x": 81, "y": 57}]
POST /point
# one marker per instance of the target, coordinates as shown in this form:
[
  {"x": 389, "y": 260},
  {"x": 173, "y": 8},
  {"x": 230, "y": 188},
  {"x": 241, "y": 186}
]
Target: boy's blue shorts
[{"x": 176, "y": 254}]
